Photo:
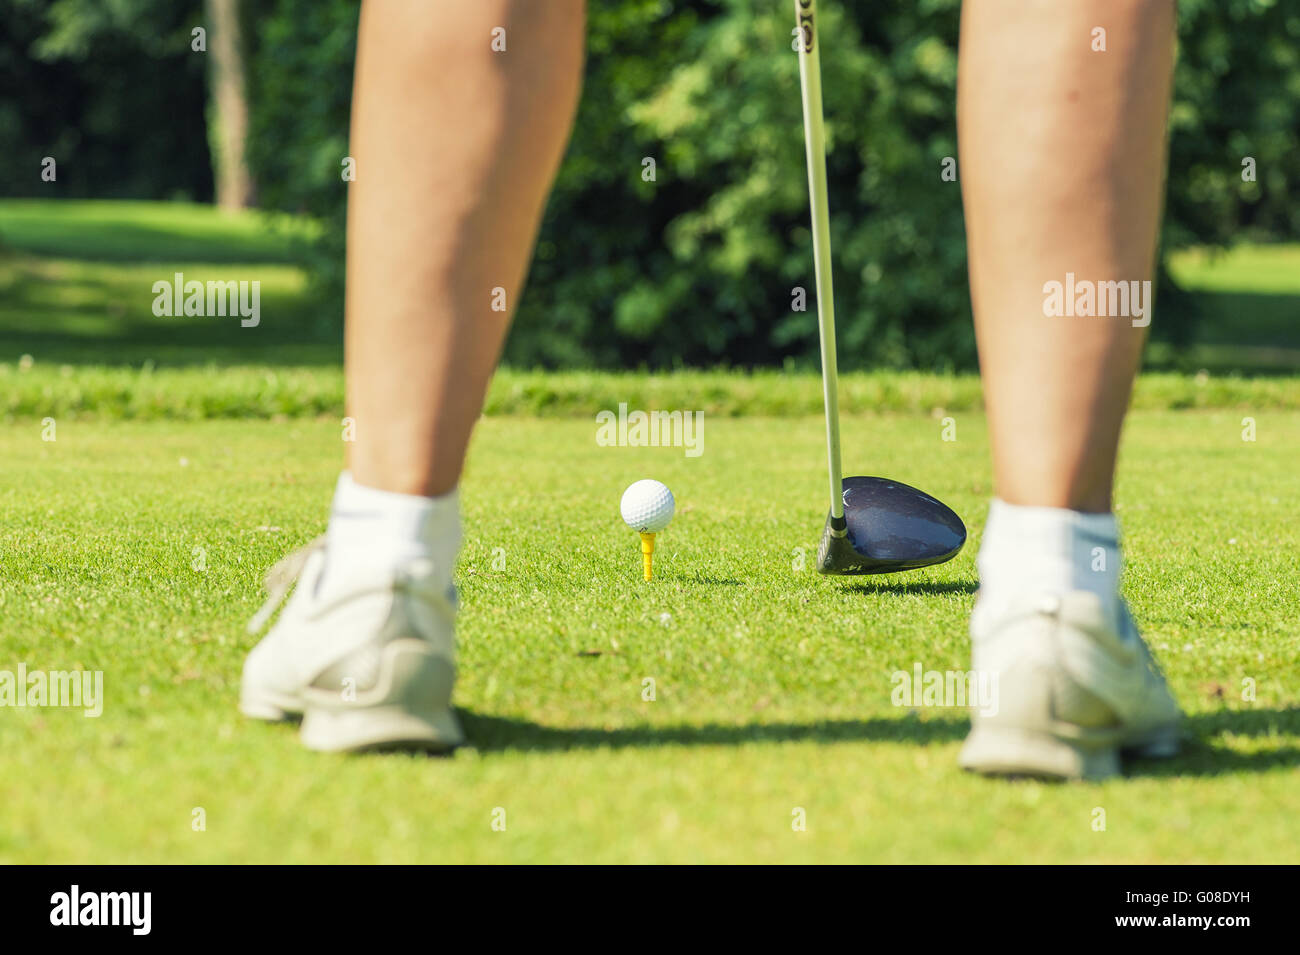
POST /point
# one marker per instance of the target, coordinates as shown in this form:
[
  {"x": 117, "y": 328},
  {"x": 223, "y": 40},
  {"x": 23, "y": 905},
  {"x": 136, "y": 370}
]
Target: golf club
[{"x": 875, "y": 525}]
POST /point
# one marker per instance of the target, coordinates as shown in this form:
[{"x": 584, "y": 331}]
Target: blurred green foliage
[
  {"x": 111, "y": 90},
  {"x": 300, "y": 87},
  {"x": 698, "y": 267}
]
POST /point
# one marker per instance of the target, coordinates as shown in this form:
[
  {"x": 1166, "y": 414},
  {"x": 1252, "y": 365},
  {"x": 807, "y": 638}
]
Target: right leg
[
  {"x": 1062, "y": 152},
  {"x": 456, "y": 146},
  {"x": 1063, "y": 162}
]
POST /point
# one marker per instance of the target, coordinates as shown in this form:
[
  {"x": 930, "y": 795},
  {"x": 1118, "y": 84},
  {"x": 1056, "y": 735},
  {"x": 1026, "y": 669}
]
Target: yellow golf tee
[{"x": 647, "y": 553}]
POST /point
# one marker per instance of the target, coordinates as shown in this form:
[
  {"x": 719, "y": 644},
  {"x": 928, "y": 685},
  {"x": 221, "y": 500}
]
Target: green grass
[
  {"x": 76, "y": 282},
  {"x": 1263, "y": 269},
  {"x": 191, "y": 454},
  {"x": 76, "y": 286},
  {"x": 122, "y": 231},
  {"x": 39, "y": 390},
  {"x": 772, "y": 684},
  {"x": 1249, "y": 297}
]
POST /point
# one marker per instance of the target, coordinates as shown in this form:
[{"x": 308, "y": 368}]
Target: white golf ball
[{"x": 647, "y": 506}]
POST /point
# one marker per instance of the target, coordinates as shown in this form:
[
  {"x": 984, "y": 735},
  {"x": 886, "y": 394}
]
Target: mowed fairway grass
[
  {"x": 190, "y": 455},
  {"x": 137, "y": 548}
]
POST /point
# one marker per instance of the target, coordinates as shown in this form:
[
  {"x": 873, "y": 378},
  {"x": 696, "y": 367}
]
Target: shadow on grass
[
  {"x": 500, "y": 734},
  {"x": 1200, "y": 757},
  {"x": 913, "y": 587},
  {"x": 708, "y": 581},
  {"x": 1231, "y": 332},
  {"x": 79, "y": 317}
]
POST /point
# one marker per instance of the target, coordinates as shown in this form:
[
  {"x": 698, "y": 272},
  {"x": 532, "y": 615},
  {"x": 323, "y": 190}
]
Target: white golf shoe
[
  {"x": 1072, "y": 691},
  {"x": 368, "y": 665}
]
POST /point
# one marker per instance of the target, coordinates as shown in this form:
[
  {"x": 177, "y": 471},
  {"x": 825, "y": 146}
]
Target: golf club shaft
[{"x": 810, "y": 82}]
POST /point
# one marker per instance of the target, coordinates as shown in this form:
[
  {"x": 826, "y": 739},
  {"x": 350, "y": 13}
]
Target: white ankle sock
[
  {"x": 371, "y": 528},
  {"x": 1031, "y": 550}
]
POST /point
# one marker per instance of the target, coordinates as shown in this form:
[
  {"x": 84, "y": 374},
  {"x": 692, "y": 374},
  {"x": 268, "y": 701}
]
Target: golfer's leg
[
  {"x": 1062, "y": 166},
  {"x": 1062, "y": 149},
  {"x": 456, "y": 145},
  {"x": 456, "y": 142}
]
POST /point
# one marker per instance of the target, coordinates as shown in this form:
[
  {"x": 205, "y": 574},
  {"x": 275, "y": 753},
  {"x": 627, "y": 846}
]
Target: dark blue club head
[{"x": 888, "y": 526}]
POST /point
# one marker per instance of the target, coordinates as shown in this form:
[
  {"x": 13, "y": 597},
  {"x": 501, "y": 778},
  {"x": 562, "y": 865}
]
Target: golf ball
[{"x": 647, "y": 506}]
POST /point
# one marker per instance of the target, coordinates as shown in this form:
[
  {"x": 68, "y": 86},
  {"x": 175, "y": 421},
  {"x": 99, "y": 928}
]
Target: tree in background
[
  {"x": 123, "y": 79},
  {"x": 229, "y": 109},
  {"x": 701, "y": 264}
]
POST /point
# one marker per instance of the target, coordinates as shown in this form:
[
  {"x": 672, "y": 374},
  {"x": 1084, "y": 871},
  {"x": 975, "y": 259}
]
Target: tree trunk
[{"x": 229, "y": 105}]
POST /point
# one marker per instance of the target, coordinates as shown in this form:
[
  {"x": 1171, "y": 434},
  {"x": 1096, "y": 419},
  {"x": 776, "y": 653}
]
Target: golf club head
[{"x": 889, "y": 526}]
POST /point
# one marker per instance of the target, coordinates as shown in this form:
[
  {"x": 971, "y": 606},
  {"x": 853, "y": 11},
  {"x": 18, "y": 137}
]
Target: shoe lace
[{"x": 280, "y": 579}]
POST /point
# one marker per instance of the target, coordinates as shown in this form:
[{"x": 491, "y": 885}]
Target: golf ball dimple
[{"x": 647, "y": 506}]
